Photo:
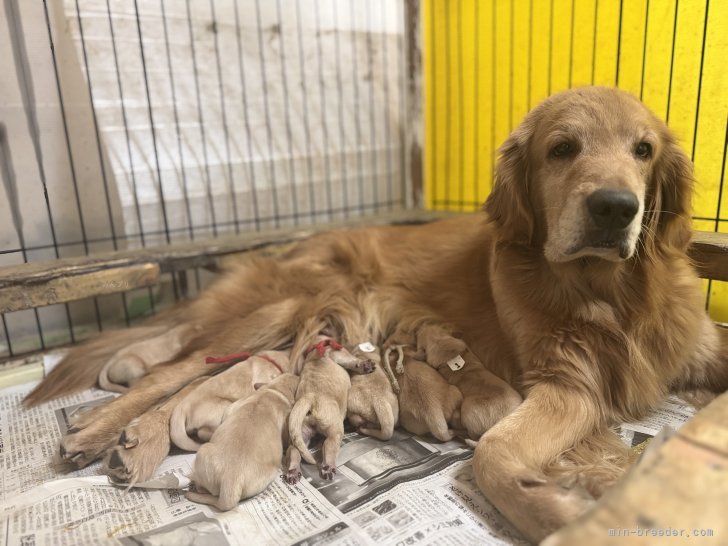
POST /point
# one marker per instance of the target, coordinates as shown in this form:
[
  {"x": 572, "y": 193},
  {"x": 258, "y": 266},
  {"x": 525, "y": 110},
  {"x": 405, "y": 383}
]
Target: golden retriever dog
[
  {"x": 245, "y": 452},
  {"x": 573, "y": 285},
  {"x": 321, "y": 402},
  {"x": 427, "y": 404},
  {"x": 198, "y": 415}
]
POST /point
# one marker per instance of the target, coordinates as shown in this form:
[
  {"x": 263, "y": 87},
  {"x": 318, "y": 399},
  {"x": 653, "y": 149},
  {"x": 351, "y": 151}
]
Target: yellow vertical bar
[
  {"x": 485, "y": 139},
  {"x": 631, "y": 36},
  {"x": 540, "y": 58},
  {"x": 503, "y": 74},
  {"x": 605, "y": 59},
  {"x": 658, "y": 56},
  {"x": 561, "y": 45},
  {"x": 582, "y": 60},
  {"x": 467, "y": 42},
  {"x": 521, "y": 58}
]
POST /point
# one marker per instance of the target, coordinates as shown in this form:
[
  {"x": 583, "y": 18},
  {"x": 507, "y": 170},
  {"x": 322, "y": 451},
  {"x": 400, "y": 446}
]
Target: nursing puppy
[
  {"x": 427, "y": 404},
  {"x": 196, "y": 418},
  {"x": 133, "y": 361},
  {"x": 244, "y": 455},
  {"x": 486, "y": 397},
  {"x": 372, "y": 406},
  {"x": 320, "y": 405}
]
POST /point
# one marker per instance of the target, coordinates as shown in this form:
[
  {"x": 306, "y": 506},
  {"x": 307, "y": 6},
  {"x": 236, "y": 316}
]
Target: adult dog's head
[{"x": 592, "y": 172}]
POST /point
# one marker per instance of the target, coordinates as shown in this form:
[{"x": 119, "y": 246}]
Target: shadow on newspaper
[{"x": 368, "y": 467}]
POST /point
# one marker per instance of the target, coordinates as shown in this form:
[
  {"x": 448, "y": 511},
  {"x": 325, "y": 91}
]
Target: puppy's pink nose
[{"x": 612, "y": 209}]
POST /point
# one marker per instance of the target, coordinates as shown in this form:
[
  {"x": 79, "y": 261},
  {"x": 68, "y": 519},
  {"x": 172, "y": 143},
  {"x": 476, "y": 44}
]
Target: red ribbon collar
[
  {"x": 320, "y": 347},
  {"x": 234, "y": 358}
]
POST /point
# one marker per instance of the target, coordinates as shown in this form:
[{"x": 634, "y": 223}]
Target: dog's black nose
[{"x": 612, "y": 209}]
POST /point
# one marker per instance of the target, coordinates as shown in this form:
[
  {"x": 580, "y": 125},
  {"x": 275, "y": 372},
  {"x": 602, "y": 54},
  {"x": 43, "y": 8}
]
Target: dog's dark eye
[
  {"x": 561, "y": 150},
  {"x": 643, "y": 150}
]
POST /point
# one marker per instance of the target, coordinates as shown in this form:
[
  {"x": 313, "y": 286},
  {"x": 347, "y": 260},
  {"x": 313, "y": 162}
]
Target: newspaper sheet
[{"x": 405, "y": 491}]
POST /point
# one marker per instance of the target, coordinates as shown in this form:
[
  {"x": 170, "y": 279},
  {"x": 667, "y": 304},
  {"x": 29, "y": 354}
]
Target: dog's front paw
[
  {"x": 90, "y": 435},
  {"x": 142, "y": 446},
  {"x": 327, "y": 472}
]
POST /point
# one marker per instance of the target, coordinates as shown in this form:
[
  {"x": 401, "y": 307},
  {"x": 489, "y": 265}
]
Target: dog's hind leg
[
  {"x": 145, "y": 442},
  {"x": 385, "y": 416},
  {"x": 292, "y": 466},
  {"x": 330, "y": 449}
]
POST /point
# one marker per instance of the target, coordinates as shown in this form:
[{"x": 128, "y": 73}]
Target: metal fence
[{"x": 135, "y": 123}]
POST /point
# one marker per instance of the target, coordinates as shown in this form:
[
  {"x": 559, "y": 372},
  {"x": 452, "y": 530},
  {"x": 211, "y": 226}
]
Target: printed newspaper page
[{"x": 405, "y": 491}]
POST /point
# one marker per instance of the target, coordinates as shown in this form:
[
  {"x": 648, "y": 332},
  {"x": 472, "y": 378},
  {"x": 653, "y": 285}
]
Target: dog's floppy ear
[
  {"x": 508, "y": 205},
  {"x": 670, "y": 196}
]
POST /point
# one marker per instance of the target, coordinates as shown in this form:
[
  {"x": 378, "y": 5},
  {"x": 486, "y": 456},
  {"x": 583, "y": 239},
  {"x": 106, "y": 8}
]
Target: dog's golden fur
[{"x": 590, "y": 336}]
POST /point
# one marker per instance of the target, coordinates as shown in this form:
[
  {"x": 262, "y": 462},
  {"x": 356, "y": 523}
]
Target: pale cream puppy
[
  {"x": 321, "y": 404},
  {"x": 372, "y": 406},
  {"x": 196, "y": 418},
  {"x": 133, "y": 361},
  {"x": 244, "y": 455},
  {"x": 427, "y": 404},
  {"x": 486, "y": 397}
]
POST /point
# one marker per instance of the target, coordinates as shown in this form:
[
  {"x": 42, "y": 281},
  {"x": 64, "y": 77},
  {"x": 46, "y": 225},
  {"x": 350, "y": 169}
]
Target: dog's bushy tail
[
  {"x": 295, "y": 426},
  {"x": 80, "y": 368}
]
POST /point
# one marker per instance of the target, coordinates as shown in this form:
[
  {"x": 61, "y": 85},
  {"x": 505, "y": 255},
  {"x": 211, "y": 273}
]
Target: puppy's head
[{"x": 592, "y": 172}]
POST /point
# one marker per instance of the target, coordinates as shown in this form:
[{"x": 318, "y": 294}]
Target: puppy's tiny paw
[
  {"x": 292, "y": 477},
  {"x": 366, "y": 366},
  {"x": 327, "y": 472}
]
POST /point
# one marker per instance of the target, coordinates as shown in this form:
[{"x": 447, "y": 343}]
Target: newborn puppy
[
  {"x": 197, "y": 417},
  {"x": 426, "y": 402},
  {"x": 321, "y": 404},
  {"x": 244, "y": 455},
  {"x": 133, "y": 361},
  {"x": 486, "y": 397},
  {"x": 372, "y": 406}
]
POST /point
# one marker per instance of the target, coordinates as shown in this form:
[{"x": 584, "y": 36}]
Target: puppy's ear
[
  {"x": 508, "y": 205},
  {"x": 669, "y": 201}
]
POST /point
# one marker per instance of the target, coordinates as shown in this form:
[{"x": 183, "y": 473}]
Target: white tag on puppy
[
  {"x": 367, "y": 347},
  {"x": 456, "y": 363}
]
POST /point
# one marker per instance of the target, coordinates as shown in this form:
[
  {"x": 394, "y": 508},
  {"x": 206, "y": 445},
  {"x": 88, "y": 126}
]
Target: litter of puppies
[{"x": 254, "y": 420}]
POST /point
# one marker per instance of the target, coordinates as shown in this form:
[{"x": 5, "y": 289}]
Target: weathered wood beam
[{"x": 709, "y": 251}]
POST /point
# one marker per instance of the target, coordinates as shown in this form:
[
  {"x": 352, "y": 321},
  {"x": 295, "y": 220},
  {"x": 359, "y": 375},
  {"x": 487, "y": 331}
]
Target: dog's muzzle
[{"x": 610, "y": 214}]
